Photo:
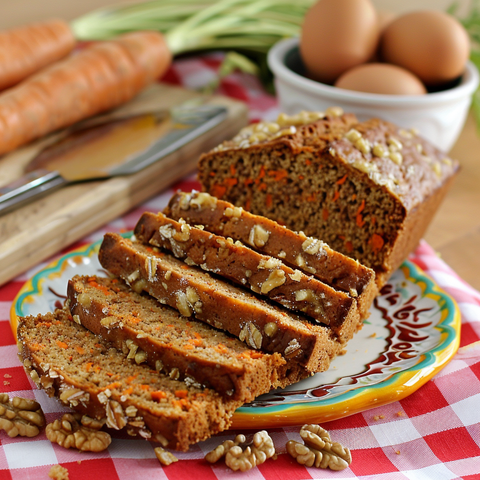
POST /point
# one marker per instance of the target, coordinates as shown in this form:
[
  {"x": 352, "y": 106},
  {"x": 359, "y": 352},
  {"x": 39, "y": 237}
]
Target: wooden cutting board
[{"x": 40, "y": 229}]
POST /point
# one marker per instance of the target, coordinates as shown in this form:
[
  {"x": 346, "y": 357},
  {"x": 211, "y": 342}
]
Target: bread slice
[
  {"x": 224, "y": 306},
  {"x": 180, "y": 347},
  {"x": 262, "y": 274},
  {"x": 369, "y": 190},
  {"x": 85, "y": 373},
  {"x": 307, "y": 254}
]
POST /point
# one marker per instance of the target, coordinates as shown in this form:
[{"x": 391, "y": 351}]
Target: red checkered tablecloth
[{"x": 432, "y": 434}]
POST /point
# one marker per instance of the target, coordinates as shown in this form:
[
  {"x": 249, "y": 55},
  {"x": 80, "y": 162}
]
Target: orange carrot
[
  {"x": 27, "y": 49},
  {"x": 94, "y": 80}
]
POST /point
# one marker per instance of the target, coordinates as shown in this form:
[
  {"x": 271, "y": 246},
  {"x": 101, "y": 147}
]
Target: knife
[{"x": 108, "y": 147}]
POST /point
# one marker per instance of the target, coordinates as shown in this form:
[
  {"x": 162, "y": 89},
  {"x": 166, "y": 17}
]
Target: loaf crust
[
  {"x": 308, "y": 254},
  {"x": 369, "y": 190},
  {"x": 262, "y": 274},
  {"x": 224, "y": 306},
  {"x": 180, "y": 347},
  {"x": 92, "y": 378}
]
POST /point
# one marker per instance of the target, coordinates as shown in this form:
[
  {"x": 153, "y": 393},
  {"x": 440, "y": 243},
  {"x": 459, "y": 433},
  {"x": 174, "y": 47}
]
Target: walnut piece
[
  {"x": 20, "y": 416},
  {"x": 69, "y": 432},
  {"x": 57, "y": 472},
  {"x": 319, "y": 450},
  {"x": 220, "y": 451},
  {"x": 242, "y": 456},
  {"x": 164, "y": 457}
]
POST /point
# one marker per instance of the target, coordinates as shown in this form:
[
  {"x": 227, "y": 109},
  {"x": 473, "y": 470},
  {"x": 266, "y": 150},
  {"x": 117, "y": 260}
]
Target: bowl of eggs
[{"x": 412, "y": 70}]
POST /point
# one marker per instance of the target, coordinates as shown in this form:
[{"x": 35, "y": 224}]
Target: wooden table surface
[{"x": 454, "y": 232}]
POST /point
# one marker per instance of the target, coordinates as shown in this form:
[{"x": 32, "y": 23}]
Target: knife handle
[{"x": 29, "y": 187}]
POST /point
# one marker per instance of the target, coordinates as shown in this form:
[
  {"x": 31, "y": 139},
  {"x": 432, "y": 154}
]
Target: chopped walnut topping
[
  {"x": 258, "y": 236},
  {"x": 133, "y": 276},
  {"x": 312, "y": 246},
  {"x": 274, "y": 280},
  {"x": 437, "y": 169},
  {"x": 353, "y": 135},
  {"x": 304, "y": 295},
  {"x": 293, "y": 348},
  {"x": 85, "y": 300},
  {"x": 334, "y": 112},
  {"x": 269, "y": 263},
  {"x": 396, "y": 157},
  {"x": 270, "y": 329},
  {"x": 319, "y": 450},
  {"x": 363, "y": 145},
  {"x": 235, "y": 212},
  {"x": 182, "y": 304},
  {"x": 200, "y": 199},
  {"x": 151, "y": 268},
  {"x": 68, "y": 433},
  {"x": 380, "y": 150},
  {"x": 20, "y": 416},
  {"x": 296, "y": 276},
  {"x": 251, "y": 335},
  {"x": 164, "y": 457}
]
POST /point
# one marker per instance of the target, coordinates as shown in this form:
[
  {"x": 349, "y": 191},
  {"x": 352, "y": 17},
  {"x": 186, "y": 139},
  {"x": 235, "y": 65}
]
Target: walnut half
[
  {"x": 242, "y": 456},
  {"x": 319, "y": 450},
  {"x": 20, "y": 416},
  {"x": 69, "y": 432}
]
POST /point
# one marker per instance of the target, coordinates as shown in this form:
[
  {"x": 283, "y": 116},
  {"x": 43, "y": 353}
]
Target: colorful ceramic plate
[{"x": 412, "y": 332}]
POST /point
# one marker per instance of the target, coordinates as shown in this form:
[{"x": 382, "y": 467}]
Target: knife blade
[{"x": 108, "y": 147}]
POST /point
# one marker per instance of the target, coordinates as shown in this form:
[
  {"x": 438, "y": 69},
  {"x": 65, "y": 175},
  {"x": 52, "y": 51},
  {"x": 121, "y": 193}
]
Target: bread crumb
[
  {"x": 57, "y": 472},
  {"x": 7, "y": 376},
  {"x": 5, "y": 382},
  {"x": 399, "y": 414}
]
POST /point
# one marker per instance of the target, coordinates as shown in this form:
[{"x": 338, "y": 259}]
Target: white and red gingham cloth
[{"x": 432, "y": 434}]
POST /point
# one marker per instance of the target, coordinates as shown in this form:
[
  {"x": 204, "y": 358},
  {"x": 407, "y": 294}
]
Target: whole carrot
[
  {"x": 27, "y": 49},
  {"x": 98, "y": 78}
]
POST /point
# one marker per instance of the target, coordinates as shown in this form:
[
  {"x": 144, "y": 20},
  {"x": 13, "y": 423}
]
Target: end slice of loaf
[
  {"x": 95, "y": 379},
  {"x": 295, "y": 249},
  {"x": 224, "y": 306},
  {"x": 263, "y": 274},
  {"x": 180, "y": 347}
]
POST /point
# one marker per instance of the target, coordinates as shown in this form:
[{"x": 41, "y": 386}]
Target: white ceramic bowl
[{"x": 438, "y": 116}]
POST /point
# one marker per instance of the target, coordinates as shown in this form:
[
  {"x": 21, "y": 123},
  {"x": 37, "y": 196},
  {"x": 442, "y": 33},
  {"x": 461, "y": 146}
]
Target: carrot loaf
[
  {"x": 368, "y": 189},
  {"x": 87, "y": 374},
  {"x": 262, "y": 274},
  {"x": 214, "y": 301},
  {"x": 180, "y": 347},
  {"x": 307, "y": 254}
]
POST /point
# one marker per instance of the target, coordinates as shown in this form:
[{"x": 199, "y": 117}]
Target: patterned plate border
[{"x": 394, "y": 374}]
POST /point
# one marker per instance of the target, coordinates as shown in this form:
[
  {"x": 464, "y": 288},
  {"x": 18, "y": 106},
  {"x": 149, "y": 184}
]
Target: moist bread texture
[
  {"x": 95, "y": 379},
  {"x": 308, "y": 254},
  {"x": 240, "y": 264},
  {"x": 368, "y": 189},
  {"x": 180, "y": 347},
  {"x": 212, "y": 300}
]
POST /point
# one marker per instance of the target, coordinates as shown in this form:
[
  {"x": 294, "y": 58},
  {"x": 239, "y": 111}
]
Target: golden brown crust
[
  {"x": 194, "y": 292},
  {"x": 179, "y": 347}
]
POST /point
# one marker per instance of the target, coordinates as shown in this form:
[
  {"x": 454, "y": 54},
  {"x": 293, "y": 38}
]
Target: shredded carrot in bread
[{"x": 61, "y": 344}]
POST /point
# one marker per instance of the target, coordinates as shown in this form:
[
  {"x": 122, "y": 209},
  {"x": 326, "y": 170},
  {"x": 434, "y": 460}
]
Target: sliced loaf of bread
[
  {"x": 308, "y": 254},
  {"x": 181, "y": 347},
  {"x": 212, "y": 300},
  {"x": 85, "y": 373},
  {"x": 263, "y": 274}
]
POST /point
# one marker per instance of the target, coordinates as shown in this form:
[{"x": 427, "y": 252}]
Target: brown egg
[
  {"x": 431, "y": 44},
  {"x": 336, "y": 36},
  {"x": 381, "y": 78}
]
